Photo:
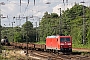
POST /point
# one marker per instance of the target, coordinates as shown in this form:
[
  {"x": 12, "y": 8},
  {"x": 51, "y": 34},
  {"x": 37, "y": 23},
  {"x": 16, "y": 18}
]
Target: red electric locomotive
[{"x": 59, "y": 43}]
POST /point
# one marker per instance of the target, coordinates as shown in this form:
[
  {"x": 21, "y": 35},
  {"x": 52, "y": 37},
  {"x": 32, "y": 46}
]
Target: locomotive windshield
[{"x": 64, "y": 39}]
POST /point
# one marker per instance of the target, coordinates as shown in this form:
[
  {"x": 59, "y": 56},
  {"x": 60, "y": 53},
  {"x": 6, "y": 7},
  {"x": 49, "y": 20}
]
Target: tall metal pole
[
  {"x": 0, "y": 29},
  {"x": 36, "y": 31},
  {"x": 13, "y": 33},
  {"x": 60, "y": 32},
  {"x": 2, "y": 3},
  {"x": 27, "y": 36},
  {"x": 83, "y": 25},
  {"x": 83, "y": 40}
]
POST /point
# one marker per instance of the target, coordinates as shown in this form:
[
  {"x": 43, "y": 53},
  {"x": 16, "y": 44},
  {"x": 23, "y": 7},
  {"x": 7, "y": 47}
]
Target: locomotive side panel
[
  {"x": 52, "y": 43},
  {"x": 48, "y": 43}
]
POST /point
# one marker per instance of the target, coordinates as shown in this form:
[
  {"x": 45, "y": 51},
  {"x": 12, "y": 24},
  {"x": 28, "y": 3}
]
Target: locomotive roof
[
  {"x": 54, "y": 36},
  {"x": 51, "y": 36}
]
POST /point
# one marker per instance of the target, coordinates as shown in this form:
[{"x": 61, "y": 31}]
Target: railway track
[
  {"x": 53, "y": 56},
  {"x": 42, "y": 55}
]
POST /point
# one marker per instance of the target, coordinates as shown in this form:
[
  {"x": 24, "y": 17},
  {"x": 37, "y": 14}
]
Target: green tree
[
  {"x": 48, "y": 26},
  {"x": 28, "y": 31},
  {"x": 18, "y": 37},
  {"x": 27, "y": 26},
  {"x": 17, "y": 34}
]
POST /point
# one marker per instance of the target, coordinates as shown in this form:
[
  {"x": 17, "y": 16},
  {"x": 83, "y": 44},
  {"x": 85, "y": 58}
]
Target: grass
[{"x": 81, "y": 46}]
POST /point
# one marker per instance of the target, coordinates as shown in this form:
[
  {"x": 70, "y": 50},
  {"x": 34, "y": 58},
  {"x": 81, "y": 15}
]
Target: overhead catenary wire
[
  {"x": 20, "y": 4},
  {"x": 65, "y": 2},
  {"x": 21, "y": 12},
  {"x": 26, "y": 7}
]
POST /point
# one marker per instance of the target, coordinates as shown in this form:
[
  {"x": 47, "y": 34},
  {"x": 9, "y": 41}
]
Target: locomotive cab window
[
  {"x": 65, "y": 39},
  {"x": 68, "y": 39}
]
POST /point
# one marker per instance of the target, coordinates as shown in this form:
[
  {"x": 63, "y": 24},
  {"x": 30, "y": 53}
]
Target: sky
[{"x": 13, "y": 8}]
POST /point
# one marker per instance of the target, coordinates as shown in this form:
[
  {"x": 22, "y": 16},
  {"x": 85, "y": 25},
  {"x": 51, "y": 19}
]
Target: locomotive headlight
[
  {"x": 69, "y": 43},
  {"x": 62, "y": 43}
]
